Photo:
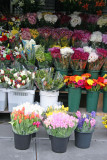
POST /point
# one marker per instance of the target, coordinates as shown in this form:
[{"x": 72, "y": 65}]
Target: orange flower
[
  {"x": 37, "y": 115},
  {"x": 26, "y": 117},
  {"x": 72, "y": 78},
  {"x": 32, "y": 115},
  {"x": 20, "y": 120},
  {"x": 85, "y": 6},
  {"x": 87, "y": 75},
  {"x": 99, "y": 12}
]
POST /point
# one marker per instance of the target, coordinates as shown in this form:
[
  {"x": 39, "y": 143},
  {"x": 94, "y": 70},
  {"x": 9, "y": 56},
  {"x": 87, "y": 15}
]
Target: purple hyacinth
[{"x": 93, "y": 114}]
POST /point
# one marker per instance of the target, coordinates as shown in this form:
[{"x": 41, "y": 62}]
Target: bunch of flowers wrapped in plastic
[
  {"x": 47, "y": 80},
  {"x": 96, "y": 58},
  {"x": 79, "y": 59},
  {"x": 55, "y": 109},
  {"x": 86, "y": 122},
  {"x": 20, "y": 80},
  {"x": 60, "y": 124},
  {"x": 76, "y": 81},
  {"x": 26, "y": 118},
  {"x": 61, "y": 57}
]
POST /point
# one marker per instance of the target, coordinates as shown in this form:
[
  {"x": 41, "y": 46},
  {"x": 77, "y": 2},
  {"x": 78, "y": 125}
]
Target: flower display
[
  {"x": 61, "y": 56},
  {"x": 20, "y": 79},
  {"x": 76, "y": 81},
  {"x": 60, "y": 124},
  {"x": 55, "y": 109},
  {"x": 46, "y": 80},
  {"x": 86, "y": 122},
  {"x": 79, "y": 59},
  {"x": 26, "y": 119}
]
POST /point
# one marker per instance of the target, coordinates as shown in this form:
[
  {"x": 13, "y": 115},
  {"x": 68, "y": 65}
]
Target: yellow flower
[
  {"x": 105, "y": 126},
  {"x": 13, "y": 32},
  {"x": 105, "y": 76},
  {"x": 66, "y": 80},
  {"x": 77, "y": 78},
  {"x": 90, "y": 81}
]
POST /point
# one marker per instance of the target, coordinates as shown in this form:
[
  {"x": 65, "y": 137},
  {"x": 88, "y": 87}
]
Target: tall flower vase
[
  {"x": 94, "y": 74},
  {"x": 59, "y": 145},
  {"x": 105, "y": 101},
  {"x": 74, "y": 97},
  {"x": 48, "y": 98},
  {"x": 92, "y": 101},
  {"x": 82, "y": 139},
  {"x": 77, "y": 72}
]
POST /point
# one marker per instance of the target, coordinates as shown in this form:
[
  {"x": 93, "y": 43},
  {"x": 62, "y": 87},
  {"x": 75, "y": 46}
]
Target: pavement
[{"x": 40, "y": 147}]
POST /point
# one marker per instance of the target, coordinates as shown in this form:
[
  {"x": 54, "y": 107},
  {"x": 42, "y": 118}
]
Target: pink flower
[
  {"x": 87, "y": 120},
  {"x": 92, "y": 122},
  {"x": 80, "y": 82},
  {"x": 78, "y": 113},
  {"x": 37, "y": 124}
]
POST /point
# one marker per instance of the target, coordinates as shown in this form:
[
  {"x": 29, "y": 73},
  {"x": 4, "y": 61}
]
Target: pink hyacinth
[
  {"x": 92, "y": 122},
  {"x": 78, "y": 114}
]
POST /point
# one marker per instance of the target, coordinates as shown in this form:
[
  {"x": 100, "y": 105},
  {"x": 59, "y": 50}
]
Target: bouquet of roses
[
  {"x": 26, "y": 118},
  {"x": 94, "y": 84},
  {"x": 79, "y": 59},
  {"x": 76, "y": 81},
  {"x": 55, "y": 109},
  {"x": 47, "y": 80},
  {"x": 60, "y": 124},
  {"x": 86, "y": 122},
  {"x": 61, "y": 57}
]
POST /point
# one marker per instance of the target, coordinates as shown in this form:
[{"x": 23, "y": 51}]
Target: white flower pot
[{"x": 48, "y": 98}]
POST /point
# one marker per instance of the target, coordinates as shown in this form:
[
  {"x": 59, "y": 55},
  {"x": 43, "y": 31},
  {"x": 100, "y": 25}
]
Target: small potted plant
[
  {"x": 25, "y": 120},
  {"x": 60, "y": 126},
  {"x": 84, "y": 130},
  {"x": 49, "y": 85}
]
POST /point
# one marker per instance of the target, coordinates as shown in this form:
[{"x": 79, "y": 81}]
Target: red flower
[
  {"x": 88, "y": 87},
  {"x": 100, "y": 79},
  {"x": 8, "y": 57}
]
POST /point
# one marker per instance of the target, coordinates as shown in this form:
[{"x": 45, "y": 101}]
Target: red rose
[{"x": 8, "y": 57}]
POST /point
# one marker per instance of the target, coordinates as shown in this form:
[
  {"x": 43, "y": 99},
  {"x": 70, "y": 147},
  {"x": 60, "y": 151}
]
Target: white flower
[
  {"x": 66, "y": 51},
  {"x": 33, "y": 75},
  {"x": 54, "y": 18},
  {"x": 28, "y": 80},
  {"x": 23, "y": 81},
  {"x": 92, "y": 57},
  {"x": 23, "y": 73},
  {"x": 0, "y": 80},
  {"x": 50, "y": 18},
  {"x": 75, "y": 20},
  {"x": 18, "y": 85},
  {"x": 6, "y": 78},
  {"x": 15, "y": 75},
  {"x": 9, "y": 81},
  {"x": 88, "y": 49},
  {"x": 96, "y": 36},
  {"x": 102, "y": 21},
  {"x": 19, "y": 78},
  {"x": 16, "y": 48},
  {"x": 2, "y": 71},
  {"x": 13, "y": 18},
  {"x": 13, "y": 82},
  {"x": 39, "y": 15}
]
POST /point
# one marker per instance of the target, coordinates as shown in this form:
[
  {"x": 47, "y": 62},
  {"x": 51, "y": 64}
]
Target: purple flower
[
  {"x": 104, "y": 38},
  {"x": 93, "y": 114}
]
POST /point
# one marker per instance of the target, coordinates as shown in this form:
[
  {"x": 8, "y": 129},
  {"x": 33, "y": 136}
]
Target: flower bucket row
[
  {"x": 93, "y": 87},
  {"x": 26, "y": 120}
]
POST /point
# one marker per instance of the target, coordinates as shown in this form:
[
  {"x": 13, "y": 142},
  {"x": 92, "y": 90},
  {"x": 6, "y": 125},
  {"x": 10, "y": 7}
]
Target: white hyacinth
[
  {"x": 96, "y": 37},
  {"x": 75, "y": 20}
]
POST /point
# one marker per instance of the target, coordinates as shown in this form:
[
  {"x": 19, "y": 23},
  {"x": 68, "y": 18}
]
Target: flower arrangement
[
  {"x": 61, "y": 57},
  {"x": 96, "y": 39},
  {"x": 76, "y": 81},
  {"x": 55, "y": 109},
  {"x": 95, "y": 60},
  {"x": 79, "y": 59},
  {"x": 94, "y": 84},
  {"x": 47, "y": 80},
  {"x": 20, "y": 80},
  {"x": 104, "y": 122},
  {"x": 60, "y": 124},
  {"x": 44, "y": 59},
  {"x": 26, "y": 118},
  {"x": 86, "y": 122}
]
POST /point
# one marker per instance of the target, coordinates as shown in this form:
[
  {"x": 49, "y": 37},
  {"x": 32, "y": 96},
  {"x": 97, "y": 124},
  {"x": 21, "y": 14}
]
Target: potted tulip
[
  {"x": 25, "y": 120},
  {"x": 60, "y": 126},
  {"x": 49, "y": 85},
  {"x": 84, "y": 130},
  {"x": 93, "y": 87}
]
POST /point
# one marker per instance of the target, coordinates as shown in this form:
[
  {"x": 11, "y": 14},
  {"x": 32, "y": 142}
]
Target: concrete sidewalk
[{"x": 40, "y": 147}]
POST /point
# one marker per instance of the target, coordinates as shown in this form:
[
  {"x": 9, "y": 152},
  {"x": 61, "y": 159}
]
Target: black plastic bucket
[
  {"x": 59, "y": 145},
  {"x": 22, "y": 142},
  {"x": 83, "y": 140}
]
